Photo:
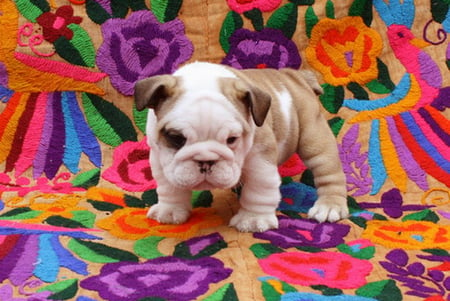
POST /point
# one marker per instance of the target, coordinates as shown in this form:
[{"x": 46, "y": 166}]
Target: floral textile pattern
[
  {"x": 267, "y": 48},
  {"x": 344, "y": 50},
  {"x": 139, "y": 46},
  {"x": 55, "y": 24},
  {"x": 409, "y": 235},
  {"x": 323, "y": 268},
  {"x": 299, "y": 232},
  {"x": 131, "y": 168},
  {"x": 242, "y": 6},
  {"x": 173, "y": 278},
  {"x": 133, "y": 223}
]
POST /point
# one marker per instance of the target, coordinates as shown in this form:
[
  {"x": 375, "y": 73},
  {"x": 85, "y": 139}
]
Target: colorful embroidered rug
[{"x": 75, "y": 182}]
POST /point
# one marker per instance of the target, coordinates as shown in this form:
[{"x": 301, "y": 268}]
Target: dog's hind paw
[
  {"x": 168, "y": 214},
  {"x": 329, "y": 209},
  {"x": 246, "y": 221}
]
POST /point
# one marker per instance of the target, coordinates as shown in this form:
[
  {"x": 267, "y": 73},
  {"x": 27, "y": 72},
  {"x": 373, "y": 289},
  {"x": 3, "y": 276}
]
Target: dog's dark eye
[
  {"x": 175, "y": 139},
  {"x": 231, "y": 140}
]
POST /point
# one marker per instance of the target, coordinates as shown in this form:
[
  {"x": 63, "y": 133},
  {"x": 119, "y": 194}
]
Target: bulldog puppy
[{"x": 212, "y": 126}]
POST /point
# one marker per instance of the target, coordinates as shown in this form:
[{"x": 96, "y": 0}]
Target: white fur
[{"x": 207, "y": 119}]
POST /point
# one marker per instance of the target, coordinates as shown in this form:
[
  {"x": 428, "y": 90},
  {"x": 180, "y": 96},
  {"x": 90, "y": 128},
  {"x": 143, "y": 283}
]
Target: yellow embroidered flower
[
  {"x": 344, "y": 50},
  {"x": 132, "y": 223},
  {"x": 54, "y": 205},
  {"x": 409, "y": 235}
]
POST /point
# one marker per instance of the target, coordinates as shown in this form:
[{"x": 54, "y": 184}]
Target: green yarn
[
  {"x": 233, "y": 21},
  {"x": 31, "y": 9},
  {"x": 385, "y": 290},
  {"x": 284, "y": 19},
  {"x": 87, "y": 179},
  {"x": 225, "y": 293},
  {"x": 63, "y": 290},
  {"x": 255, "y": 16},
  {"x": 311, "y": 20},
  {"x": 148, "y": 247}
]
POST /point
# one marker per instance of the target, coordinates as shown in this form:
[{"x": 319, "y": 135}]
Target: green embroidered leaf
[
  {"x": 233, "y": 21},
  {"x": 84, "y": 217},
  {"x": 376, "y": 87},
  {"x": 362, "y": 8},
  {"x": 213, "y": 244},
  {"x": 87, "y": 179},
  {"x": 336, "y": 124},
  {"x": 104, "y": 206},
  {"x": 385, "y": 290},
  {"x": 132, "y": 201},
  {"x": 166, "y": 10},
  {"x": 255, "y": 16},
  {"x": 264, "y": 250},
  {"x": 439, "y": 10},
  {"x": 150, "y": 197},
  {"x": 202, "y": 199},
  {"x": 424, "y": 215},
  {"x": 119, "y": 8},
  {"x": 79, "y": 50},
  {"x": 96, "y": 12},
  {"x": 284, "y": 19},
  {"x": 225, "y": 293},
  {"x": 311, "y": 20},
  {"x": 270, "y": 287},
  {"x": 332, "y": 98},
  {"x": 366, "y": 253},
  {"x": 358, "y": 91},
  {"x": 140, "y": 118},
  {"x": 31, "y": 9},
  {"x": 148, "y": 247},
  {"x": 60, "y": 221},
  {"x": 329, "y": 9},
  {"x": 20, "y": 213},
  {"x": 136, "y": 5},
  {"x": 383, "y": 76},
  {"x": 437, "y": 252},
  {"x": 327, "y": 291},
  {"x": 63, "y": 290},
  {"x": 302, "y": 2},
  {"x": 99, "y": 253},
  {"x": 109, "y": 124}
]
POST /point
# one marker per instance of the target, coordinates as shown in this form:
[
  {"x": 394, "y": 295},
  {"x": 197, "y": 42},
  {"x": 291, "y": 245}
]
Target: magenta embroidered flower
[
  {"x": 168, "y": 278},
  {"x": 302, "y": 232},
  {"x": 54, "y": 25},
  {"x": 139, "y": 47},
  {"x": 241, "y": 6},
  {"x": 335, "y": 270},
  {"x": 267, "y": 48},
  {"x": 131, "y": 168}
]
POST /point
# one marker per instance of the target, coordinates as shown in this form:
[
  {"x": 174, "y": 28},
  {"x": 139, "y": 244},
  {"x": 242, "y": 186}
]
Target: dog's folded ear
[
  {"x": 150, "y": 92},
  {"x": 256, "y": 100}
]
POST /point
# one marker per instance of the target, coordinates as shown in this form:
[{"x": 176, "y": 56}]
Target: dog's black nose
[{"x": 205, "y": 166}]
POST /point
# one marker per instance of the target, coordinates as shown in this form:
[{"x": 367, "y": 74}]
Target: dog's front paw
[
  {"x": 246, "y": 221},
  {"x": 168, "y": 214},
  {"x": 329, "y": 209}
]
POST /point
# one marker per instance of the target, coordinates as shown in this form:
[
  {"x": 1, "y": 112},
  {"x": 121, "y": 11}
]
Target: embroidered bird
[
  {"x": 409, "y": 136},
  {"x": 41, "y": 125}
]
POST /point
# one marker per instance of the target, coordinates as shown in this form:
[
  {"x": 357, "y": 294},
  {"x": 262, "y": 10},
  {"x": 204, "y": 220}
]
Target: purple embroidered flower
[
  {"x": 139, "y": 47},
  {"x": 301, "y": 232},
  {"x": 267, "y": 48},
  {"x": 7, "y": 293},
  {"x": 420, "y": 281},
  {"x": 169, "y": 278}
]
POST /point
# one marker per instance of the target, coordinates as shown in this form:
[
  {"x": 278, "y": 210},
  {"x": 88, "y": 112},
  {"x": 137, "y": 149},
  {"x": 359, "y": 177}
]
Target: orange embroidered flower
[
  {"x": 409, "y": 235},
  {"x": 344, "y": 50},
  {"x": 132, "y": 223}
]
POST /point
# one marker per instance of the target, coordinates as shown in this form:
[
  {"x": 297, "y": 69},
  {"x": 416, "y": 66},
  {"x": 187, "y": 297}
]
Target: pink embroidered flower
[
  {"x": 55, "y": 24},
  {"x": 241, "y": 6},
  {"x": 335, "y": 270},
  {"x": 131, "y": 169}
]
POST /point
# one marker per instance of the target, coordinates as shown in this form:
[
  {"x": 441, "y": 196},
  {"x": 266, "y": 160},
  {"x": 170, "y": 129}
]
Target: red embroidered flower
[
  {"x": 241, "y": 6},
  {"x": 55, "y": 24}
]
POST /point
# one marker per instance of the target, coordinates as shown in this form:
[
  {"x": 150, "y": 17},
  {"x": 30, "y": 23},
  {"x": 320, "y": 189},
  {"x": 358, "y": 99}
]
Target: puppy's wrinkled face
[{"x": 202, "y": 141}]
